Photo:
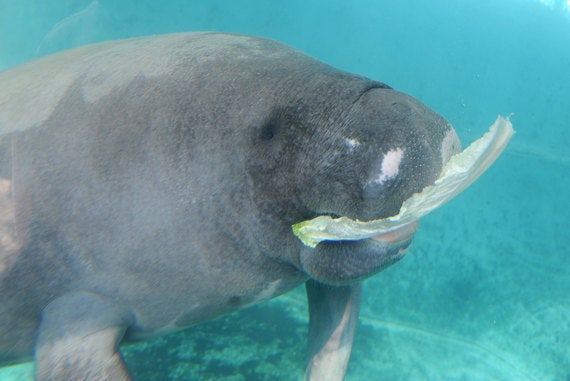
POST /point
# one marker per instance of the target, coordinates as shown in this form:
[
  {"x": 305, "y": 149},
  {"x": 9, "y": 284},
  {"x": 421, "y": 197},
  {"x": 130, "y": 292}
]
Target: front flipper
[
  {"x": 78, "y": 339},
  {"x": 333, "y": 314}
]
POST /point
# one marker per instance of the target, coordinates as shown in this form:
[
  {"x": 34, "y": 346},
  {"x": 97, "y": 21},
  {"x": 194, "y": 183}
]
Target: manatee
[{"x": 150, "y": 184}]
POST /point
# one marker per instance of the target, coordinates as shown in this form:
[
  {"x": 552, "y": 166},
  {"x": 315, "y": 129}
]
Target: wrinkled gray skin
[{"x": 150, "y": 184}]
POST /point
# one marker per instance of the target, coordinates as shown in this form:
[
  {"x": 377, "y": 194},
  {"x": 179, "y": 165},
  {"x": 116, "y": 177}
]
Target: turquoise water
[{"x": 484, "y": 292}]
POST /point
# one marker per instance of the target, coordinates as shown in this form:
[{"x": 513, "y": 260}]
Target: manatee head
[{"x": 362, "y": 162}]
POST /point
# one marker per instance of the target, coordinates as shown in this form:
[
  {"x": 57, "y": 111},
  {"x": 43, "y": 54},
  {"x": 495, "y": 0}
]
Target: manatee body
[{"x": 150, "y": 184}]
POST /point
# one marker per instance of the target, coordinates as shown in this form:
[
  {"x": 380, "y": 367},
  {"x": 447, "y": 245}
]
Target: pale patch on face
[
  {"x": 390, "y": 166},
  {"x": 352, "y": 143},
  {"x": 449, "y": 146}
]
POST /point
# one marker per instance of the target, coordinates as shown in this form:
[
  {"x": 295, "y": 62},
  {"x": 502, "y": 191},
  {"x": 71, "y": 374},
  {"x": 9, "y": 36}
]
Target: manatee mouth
[
  {"x": 343, "y": 262},
  {"x": 398, "y": 235}
]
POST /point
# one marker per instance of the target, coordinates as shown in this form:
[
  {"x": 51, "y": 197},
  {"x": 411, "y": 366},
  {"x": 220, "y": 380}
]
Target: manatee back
[{"x": 32, "y": 91}]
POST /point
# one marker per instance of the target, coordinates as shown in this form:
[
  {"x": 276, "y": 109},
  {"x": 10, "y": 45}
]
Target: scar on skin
[{"x": 390, "y": 166}]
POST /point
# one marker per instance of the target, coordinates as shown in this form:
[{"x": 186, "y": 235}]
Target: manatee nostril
[{"x": 401, "y": 108}]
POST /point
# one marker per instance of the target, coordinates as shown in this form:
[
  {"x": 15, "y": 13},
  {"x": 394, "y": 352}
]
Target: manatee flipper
[
  {"x": 333, "y": 314},
  {"x": 78, "y": 339}
]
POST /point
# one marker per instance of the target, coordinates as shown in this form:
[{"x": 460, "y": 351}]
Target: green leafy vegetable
[{"x": 460, "y": 171}]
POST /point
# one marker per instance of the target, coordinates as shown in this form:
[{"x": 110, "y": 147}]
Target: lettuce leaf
[{"x": 460, "y": 171}]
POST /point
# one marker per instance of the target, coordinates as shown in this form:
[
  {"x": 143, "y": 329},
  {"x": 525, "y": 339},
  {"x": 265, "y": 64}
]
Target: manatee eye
[{"x": 268, "y": 131}]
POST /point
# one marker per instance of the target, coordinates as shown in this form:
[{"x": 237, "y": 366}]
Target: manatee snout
[
  {"x": 396, "y": 146},
  {"x": 390, "y": 146},
  {"x": 409, "y": 144}
]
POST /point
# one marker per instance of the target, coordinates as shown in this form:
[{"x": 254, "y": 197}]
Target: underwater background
[{"x": 484, "y": 292}]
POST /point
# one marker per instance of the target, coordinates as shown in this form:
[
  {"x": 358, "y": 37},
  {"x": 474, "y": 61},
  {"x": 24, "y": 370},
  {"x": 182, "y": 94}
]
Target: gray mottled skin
[{"x": 150, "y": 184}]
